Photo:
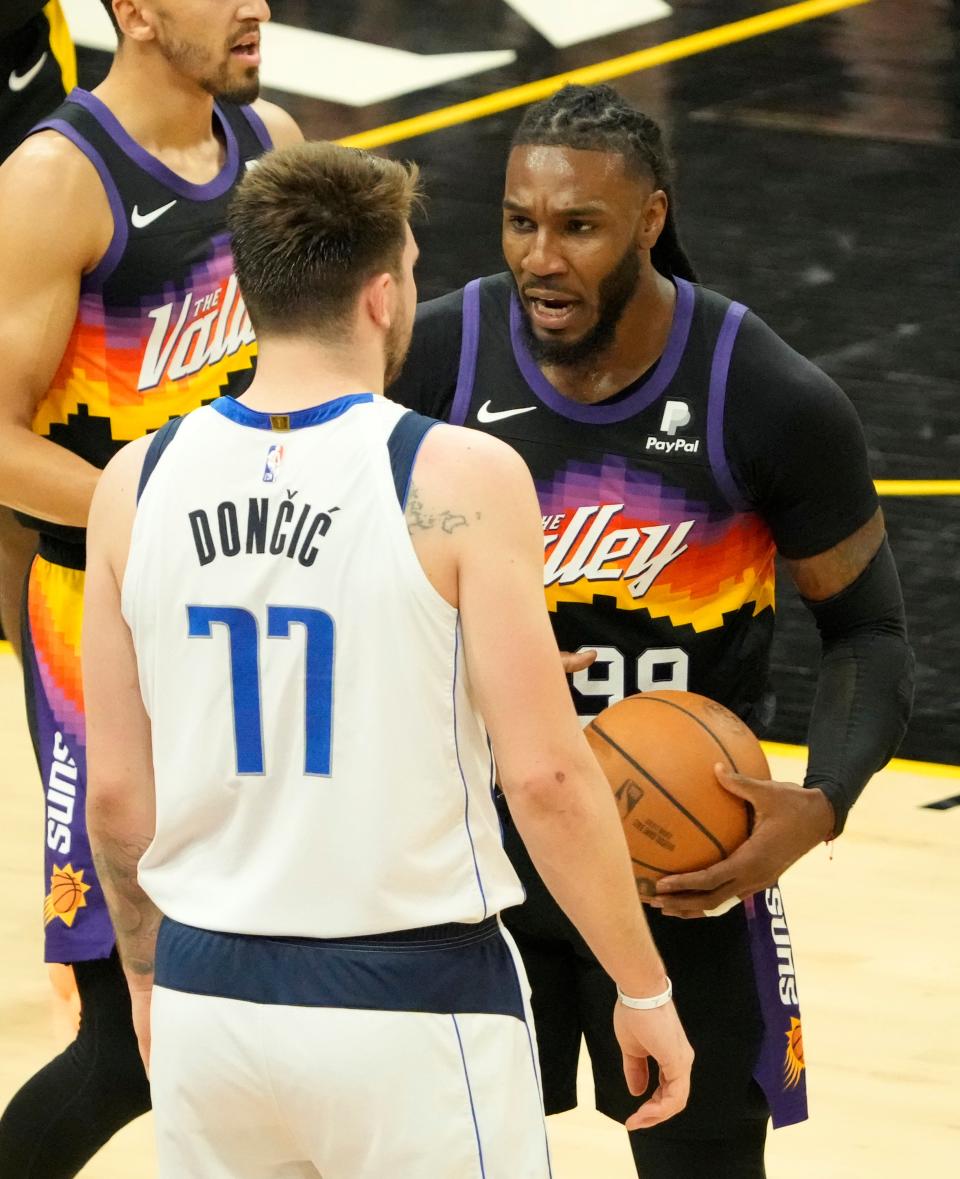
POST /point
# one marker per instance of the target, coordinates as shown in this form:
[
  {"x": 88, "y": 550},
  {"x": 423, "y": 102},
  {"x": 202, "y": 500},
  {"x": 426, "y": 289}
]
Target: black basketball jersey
[
  {"x": 38, "y": 66},
  {"x": 161, "y": 327},
  {"x": 656, "y": 552}
]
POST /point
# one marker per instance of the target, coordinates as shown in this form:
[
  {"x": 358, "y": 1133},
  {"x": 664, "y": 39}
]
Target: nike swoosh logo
[
  {"x": 141, "y": 220},
  {"x": 22, "y": 81},
  {"x": 486, "y": 414}
]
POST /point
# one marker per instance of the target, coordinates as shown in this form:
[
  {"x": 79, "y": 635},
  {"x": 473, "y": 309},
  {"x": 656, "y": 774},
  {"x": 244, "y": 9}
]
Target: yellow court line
[
  {"x": 929, "y": 769},
  {"x": 604, "y": 71},
  {"x": 917, "y": 486}
]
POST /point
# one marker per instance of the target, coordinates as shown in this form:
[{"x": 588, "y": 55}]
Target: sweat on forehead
[{"x": 560, "y": 164}]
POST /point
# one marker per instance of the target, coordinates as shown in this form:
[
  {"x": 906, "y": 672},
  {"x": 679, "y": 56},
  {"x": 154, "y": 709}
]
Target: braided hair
[{"x": 597, "y": 118}]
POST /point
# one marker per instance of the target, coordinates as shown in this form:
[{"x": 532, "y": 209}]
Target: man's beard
[
  {"x": 395, "y": 349},
  {"x": 241, "y": 93},
  {"x": 191, "y": 60},
  {"x": 615, "y": 292}
]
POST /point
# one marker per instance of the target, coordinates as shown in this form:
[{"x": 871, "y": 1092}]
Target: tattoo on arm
[
  {"x": 420, "y": 520},
  {"x": 135, "y": 917}
]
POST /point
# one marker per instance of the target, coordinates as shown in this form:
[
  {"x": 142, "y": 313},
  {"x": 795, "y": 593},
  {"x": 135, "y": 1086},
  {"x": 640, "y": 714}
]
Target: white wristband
[{"x": 660, "y": 1000}]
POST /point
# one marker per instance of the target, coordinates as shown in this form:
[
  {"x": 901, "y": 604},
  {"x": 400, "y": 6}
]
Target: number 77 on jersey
[{"x": 244, "y": 666}]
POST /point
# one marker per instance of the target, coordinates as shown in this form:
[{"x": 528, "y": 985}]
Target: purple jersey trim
[
  {"x": 469, "y": 344},
  {"x": 646, "y": 392},
  {"x": 92, "y": 937},
  {"x": 780, "y": 1070},
  {"x": 150, "y": 164},
  {"x": 118, "y": 243},
  {"x": 719, "y": 369},
  {"x": 259, "y": 127}
]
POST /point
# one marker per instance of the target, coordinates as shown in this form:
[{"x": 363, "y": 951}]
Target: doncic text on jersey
[{"x": 263, "y": 525}]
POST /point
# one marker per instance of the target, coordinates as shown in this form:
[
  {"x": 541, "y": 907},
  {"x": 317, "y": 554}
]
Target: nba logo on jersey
[{"x": 272, "y": 465}]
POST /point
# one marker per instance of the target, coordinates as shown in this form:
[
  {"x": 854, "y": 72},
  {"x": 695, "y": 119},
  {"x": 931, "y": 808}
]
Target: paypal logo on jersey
[{"x": 676, "y": 415}]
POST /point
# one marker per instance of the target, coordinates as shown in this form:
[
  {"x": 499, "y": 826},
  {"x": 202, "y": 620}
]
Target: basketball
[
  {"x": 658, "y": 750},
  {"x": 64, "y": 891}
]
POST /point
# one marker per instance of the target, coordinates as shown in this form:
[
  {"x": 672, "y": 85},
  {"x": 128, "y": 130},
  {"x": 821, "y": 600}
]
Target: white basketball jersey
[{"x": 321, "y": 769}]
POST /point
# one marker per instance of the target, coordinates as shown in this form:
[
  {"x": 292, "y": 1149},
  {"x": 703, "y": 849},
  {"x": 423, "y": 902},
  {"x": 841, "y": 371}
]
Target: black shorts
[{"x": 710, "y": 964}]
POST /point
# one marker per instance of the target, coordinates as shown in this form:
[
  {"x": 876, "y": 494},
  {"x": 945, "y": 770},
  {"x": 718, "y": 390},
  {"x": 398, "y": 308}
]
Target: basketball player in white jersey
[{"x": 305, "y": 611}]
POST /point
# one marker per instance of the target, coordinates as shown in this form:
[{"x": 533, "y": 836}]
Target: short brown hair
[{"x": 311, "y": 223}]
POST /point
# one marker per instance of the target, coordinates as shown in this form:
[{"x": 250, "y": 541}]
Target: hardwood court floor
[{"x": 877, "y": 964}]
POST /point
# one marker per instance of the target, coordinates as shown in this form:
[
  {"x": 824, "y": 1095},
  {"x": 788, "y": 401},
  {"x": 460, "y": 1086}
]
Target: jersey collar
[
  {"x": 316, "y": 415},
  {"x": 214, "y": 188},
  {"x": 646, "y": 391}
]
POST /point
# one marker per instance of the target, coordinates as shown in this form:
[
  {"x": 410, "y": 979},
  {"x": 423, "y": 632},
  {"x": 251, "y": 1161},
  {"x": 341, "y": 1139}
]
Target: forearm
[
  {"x": 43, "y": 479},
  {"x": 865, "y": 687},
  {"x": 117, "y": 848},
  {"x": 859, "y": 717},
  {"x": 570, "y": 826}
]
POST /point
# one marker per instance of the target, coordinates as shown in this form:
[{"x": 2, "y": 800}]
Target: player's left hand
[
  {"x": 788, "y": 821},
  {"x": 574, "y": 661}
]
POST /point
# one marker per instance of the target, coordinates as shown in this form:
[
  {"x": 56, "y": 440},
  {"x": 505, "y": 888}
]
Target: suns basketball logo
[
  {"x": 793, "y": 1062},
  {"x": 67, "y": 895}
]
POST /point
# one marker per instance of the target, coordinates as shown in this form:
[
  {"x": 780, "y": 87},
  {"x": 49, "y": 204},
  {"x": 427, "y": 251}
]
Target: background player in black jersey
[
  {"x": 38, "y": 68},
  {"x": 676, "y": 444},
  {"x": 112, "y": 217}
]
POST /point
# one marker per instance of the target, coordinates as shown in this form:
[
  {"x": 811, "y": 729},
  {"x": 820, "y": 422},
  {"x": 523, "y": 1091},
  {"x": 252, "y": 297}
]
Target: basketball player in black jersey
[
  {"x": 118, "y": 310},
  {"x": 38, "y": 68},
  {"x": 676, "y": 444}
]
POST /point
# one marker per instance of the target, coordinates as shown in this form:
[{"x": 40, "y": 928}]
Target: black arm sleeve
[
  {"x": 865, "y": 687},
  {"x": 795, "y": 445},
  {"x": 428, "y": 380},
  {"x": 797, "y": 452}
]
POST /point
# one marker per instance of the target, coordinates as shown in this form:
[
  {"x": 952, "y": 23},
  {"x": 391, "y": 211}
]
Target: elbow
[
  {"x": 109, "y": 803},
  {"x": 542, "y": 791}
]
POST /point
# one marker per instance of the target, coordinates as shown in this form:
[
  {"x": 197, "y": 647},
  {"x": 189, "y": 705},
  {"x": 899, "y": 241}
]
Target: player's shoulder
[
  {"x": 48, "y": 162},
  {"x": 442, "y": 310},
  {"x": 761, "y": 354},
  {"x": 123, "y": 470},
  {"x": 281, "y": 126},
  {"x": 115, "y": 496},
  {"x": 448, "y": 308},
  {"x": 767, "y": 377},
  {"x": 471, "y": 458},
  {"x": 43, "y": 184}
]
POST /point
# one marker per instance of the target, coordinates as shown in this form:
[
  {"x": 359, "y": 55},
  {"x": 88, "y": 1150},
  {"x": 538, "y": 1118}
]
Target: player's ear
[
  {"x": 653, "y": 218},
  {"x": 133, "y": 23},
  {"x": 379, "y": 298}
]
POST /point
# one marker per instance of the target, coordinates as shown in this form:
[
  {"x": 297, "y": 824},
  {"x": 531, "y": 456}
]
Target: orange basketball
[{"x": 658, "y": 750}]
